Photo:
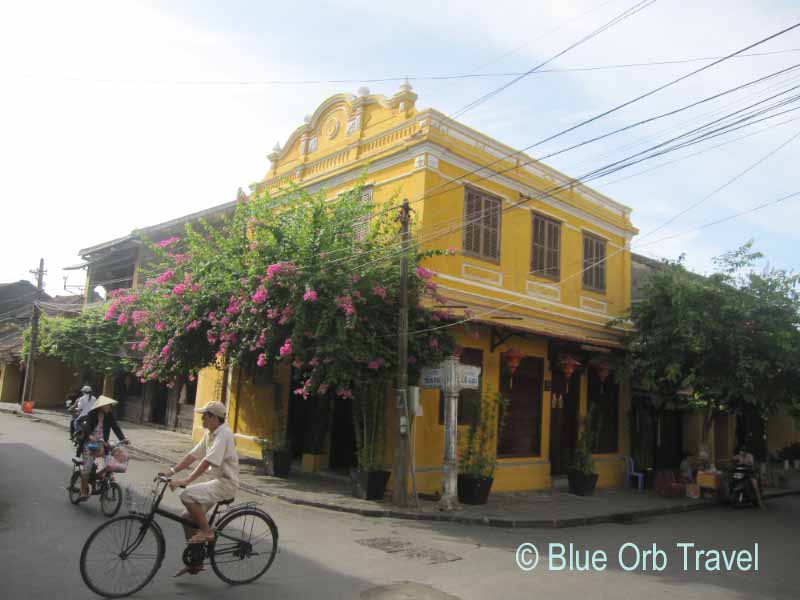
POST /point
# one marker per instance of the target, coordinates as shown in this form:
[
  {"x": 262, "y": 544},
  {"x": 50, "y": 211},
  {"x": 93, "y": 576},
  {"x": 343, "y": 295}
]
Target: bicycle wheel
[
  {"x": 246, "y": 545},
  {"x": 121, "y": 556},
  {"x": 74, "y": 487},
  {"x": 111, "y": 499}
]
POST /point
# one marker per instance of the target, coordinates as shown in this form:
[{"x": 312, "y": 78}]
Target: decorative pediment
[{"x": 339, "y": 121}]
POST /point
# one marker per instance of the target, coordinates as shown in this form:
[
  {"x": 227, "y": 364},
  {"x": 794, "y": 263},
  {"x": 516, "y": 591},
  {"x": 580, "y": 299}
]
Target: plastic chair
[{"x": 631, "y": 474}]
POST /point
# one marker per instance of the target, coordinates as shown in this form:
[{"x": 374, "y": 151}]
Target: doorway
[
  {"x": 564, "y": 400},
  {"x": 343, "y": 438}
]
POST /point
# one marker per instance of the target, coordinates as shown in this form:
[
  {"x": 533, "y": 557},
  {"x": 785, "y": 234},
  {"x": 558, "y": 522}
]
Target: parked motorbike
[{"x": 741, "y": 490}]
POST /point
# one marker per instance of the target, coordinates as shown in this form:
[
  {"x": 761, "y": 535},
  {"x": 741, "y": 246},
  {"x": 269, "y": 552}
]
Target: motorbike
[{"x": 741, "y": 489}]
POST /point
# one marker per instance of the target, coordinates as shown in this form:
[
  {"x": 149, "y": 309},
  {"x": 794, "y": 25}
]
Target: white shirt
[
  {"x": 219, "y": 449},
  {"x": 85, "y": 404}
]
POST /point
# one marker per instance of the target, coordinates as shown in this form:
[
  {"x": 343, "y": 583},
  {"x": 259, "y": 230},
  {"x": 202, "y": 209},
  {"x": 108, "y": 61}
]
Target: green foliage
[
  {"x": 284, "y": 281},
  {"x": 581, "y": 459},
  {"x": 478, "y": 456},
  {"x": 790, "y": 452},
  {"x": 369, "y": 421},
  {"x": 87, "y": 342},
  {"x": 718, "y": 344}
]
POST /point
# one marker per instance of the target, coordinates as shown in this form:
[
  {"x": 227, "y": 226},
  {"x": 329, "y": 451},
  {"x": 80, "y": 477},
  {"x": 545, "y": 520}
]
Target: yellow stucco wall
[
  {"x": 250, "y": 404},
  {"x": 782, "y": 431},
  {"x": 10, "y": 382},
  {"x": 52, "y": 381}
]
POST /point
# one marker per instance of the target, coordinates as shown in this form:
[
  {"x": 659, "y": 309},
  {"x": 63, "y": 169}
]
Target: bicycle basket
[{"x": 140, "y": 498}]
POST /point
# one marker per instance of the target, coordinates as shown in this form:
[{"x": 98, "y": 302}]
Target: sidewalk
[{"x": 538, "y": 509}]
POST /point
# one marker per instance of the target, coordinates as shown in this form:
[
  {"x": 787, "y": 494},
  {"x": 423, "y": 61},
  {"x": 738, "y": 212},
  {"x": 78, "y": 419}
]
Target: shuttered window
[
  {"x": 546, "y": 250},
  {"x": 482, "y": 225},
  {"x": 361, "y": 227},
  {"x": 594, "y": 263}
]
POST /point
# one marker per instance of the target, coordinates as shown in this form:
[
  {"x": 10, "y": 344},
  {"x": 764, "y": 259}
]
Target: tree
[
  {"x": 282, "y": 281},
  {"x": 720, "y": 344},
  {"x": 87, "y": 342}
]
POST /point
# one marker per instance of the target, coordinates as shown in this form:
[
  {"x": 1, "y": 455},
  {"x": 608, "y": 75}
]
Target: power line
[
  {"x": 629, "y": 12},
  {"x": 395, "y": 79}
]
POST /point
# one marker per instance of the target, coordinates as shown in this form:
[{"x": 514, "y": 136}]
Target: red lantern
[
  {"x": 603, "y": 369},
  {"x": 568, "y": 365},
  {"x": 513, "y": 358}
]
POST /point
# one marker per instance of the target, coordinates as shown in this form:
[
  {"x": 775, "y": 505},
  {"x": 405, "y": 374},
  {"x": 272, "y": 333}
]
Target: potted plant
[
  {"x": 582, "y": 471},
  {"x": 478, "y": 453},
  {"x": 275, "y": 452},
  {"x": 369, "y": 479}
]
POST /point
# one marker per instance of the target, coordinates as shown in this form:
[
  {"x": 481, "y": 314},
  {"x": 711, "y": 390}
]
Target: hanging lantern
[
  {"x": 602, "y": 368},
  {"x": 568, "y": 365},
  {"x": 513, "y": 358}
]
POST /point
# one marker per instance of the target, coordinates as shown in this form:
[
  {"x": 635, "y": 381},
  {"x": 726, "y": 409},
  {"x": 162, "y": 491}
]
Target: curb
[{"x": 628, "y": 517}]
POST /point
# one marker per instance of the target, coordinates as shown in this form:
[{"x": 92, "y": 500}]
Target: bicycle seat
[{"x": 76, "y": 461}]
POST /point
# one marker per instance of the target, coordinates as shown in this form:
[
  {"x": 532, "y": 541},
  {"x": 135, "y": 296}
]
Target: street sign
[
  {"x": 432, "y": 377},
  {"x": 468, "y": 377}
]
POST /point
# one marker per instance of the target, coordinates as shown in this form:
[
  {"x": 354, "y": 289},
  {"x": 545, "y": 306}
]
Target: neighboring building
[
  {"x": 544, "y": 265},
  {"x": 658, "y": 439},
  {"x": 52, "y": 379}
]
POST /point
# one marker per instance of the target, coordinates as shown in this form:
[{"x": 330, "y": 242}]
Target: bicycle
[
  {"x": 126, "y": 552},
  {"x": 106, "y": 487}
]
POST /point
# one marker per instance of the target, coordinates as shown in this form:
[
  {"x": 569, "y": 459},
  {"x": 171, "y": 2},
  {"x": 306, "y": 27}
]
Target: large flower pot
[
  {"x": 369, "y": 485},
  {"x": 277, "y": 463},
  {"x": 473, "y": 490},
  {"x": 580, "y": 483}
]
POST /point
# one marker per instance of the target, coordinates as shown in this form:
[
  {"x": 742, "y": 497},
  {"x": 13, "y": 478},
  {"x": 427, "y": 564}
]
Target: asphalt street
[{"x": 325, "y": 554}]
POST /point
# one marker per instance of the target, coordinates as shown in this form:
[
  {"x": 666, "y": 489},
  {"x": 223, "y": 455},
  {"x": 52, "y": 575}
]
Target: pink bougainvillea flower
[
  {"x": 111, "y": 313},
  {"x": 193, "y": 325},
  {"x": 314, "y": 362},
  {"x": 424, "y": 273},
  {"x": 179, "y": 289},
  {"x": 272, "y": 313},
  {"x": 168, "y": 242},
  {"x": 165, "y": 276},
  {"x": 297, "y": 363},
  {"x": 375, "y": 364},
  {"x": 310, "y": 296},
  {"x": 123, "y": 318},
  {"x": 379, "y": 291},
  {"x": 211, "y": 336},
  {"x": 165, "y": 351},
  {"x": 433, "y": 343},
  {"x": 260, "y": 296},
  {"x": 160, "y": 326},
  {"x": 451, "y": 251},
  {"x": 262, "y": 360},
  {"x": 344, "y": 393},
  {"x": 286, "y": 349},
  {"x": 192, "y": 377}
]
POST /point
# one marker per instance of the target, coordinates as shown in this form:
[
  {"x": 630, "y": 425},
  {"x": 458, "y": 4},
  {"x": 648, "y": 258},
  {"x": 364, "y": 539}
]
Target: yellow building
[{"x": 542, "y": 265}]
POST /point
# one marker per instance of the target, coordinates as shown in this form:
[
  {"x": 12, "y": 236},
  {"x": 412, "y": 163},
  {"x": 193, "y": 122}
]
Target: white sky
[{"x": 105, "y": 128}]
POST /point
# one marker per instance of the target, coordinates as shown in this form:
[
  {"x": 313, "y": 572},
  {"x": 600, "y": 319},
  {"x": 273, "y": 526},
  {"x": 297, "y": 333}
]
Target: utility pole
[
  {"x": 27, "y": 384},
  {"x": 401, "y": 448}
]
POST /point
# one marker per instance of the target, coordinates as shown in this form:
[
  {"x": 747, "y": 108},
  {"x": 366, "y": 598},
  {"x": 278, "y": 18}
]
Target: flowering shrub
[{"x": 287, "y": 282}]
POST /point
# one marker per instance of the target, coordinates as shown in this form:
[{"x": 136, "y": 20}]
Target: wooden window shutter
[
  {"x": 361, "y": 227},
  {"x": 472, "y": 215},
  {"x": 491, "y": 228}
]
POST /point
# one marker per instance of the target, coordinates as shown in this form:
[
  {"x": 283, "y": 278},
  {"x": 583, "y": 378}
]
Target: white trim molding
[
  {"x": 478, "y": 273},
  {"x": 594, "y": 305}
]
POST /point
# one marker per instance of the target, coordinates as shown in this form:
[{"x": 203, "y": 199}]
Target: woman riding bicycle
[{"x": 98, "y": 428}]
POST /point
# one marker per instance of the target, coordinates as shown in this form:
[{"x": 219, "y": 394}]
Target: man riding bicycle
[{"x": 217, "y": 455}]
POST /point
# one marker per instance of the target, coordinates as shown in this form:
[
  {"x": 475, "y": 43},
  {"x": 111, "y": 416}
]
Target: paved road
[{"x": 332, "y": 555}]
